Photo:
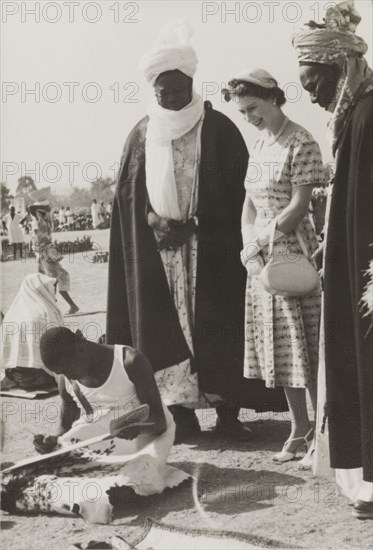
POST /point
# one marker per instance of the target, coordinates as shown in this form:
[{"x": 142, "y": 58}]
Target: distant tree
[
  {"x": 329, "y": 171},
  {"x": 6, "y": 198},
  {"x": 58, "y": 200},
  {"x": 103, "y": 190},
  {"x": 79, "y": 197},
  {"x": 25, "y": 185}
]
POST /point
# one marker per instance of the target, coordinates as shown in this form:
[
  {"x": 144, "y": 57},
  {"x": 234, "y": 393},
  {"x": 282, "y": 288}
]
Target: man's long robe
[
  {"x": 141, "y": 312},
  {"x": 349, "y": 335}
]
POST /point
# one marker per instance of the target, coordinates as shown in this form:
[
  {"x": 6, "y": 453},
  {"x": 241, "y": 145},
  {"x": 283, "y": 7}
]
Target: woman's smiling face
[{"x": 256, "y": 111}]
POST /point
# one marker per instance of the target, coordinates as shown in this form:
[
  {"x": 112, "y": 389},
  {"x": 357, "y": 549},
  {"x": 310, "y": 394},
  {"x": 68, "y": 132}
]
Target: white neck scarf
[{"x": 164, "y": 126}]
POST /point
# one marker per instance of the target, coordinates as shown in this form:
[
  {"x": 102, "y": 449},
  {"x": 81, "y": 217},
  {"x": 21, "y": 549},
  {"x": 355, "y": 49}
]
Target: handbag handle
[
  {"x": 272, "y": 232},
  {"x": 302, "y": 243}
]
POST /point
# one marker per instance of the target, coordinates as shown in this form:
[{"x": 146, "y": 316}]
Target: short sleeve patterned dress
[{"x": 281, "y": 333}]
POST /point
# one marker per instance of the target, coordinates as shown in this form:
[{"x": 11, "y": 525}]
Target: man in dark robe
[
  {"x": 151, "y": 239},
  {"x": 335, "y": 73}
]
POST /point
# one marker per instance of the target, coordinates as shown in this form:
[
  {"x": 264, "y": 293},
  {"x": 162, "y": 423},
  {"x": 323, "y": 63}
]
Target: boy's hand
[
  {"x": 45, "y": 443},
  {"x": 129, "y": 432}
]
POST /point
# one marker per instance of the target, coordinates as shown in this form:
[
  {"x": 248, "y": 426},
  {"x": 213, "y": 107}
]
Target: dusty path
[{"x": 245, "y": 491}]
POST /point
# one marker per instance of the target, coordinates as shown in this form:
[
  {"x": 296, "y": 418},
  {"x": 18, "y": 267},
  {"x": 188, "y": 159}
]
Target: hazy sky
[{"x": 80, "y": 59}]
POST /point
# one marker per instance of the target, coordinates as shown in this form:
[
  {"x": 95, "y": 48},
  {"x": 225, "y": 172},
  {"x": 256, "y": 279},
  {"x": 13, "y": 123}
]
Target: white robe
[
  {"x": 15, "y": 234},
  {"x": 94, "y": 212}
]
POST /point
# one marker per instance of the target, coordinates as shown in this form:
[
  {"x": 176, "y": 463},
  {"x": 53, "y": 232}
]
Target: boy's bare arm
[
  {"x": 141, "y": 375},
  {"x": 69, "y": 413},
  {"x": 69, "y": 409}
]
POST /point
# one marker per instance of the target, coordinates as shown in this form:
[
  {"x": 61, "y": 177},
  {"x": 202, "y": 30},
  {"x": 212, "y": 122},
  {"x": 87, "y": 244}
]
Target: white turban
[{"x": 171, "y": 51}]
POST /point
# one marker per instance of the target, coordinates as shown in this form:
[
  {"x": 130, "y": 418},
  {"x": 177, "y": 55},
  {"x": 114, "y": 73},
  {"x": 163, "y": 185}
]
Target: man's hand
[
  {"x": 159, "y": 224},
  {"x": 172, "y": 234},
  {"x": 45, "y": 443},
  {"x": 178, "y": 234}
]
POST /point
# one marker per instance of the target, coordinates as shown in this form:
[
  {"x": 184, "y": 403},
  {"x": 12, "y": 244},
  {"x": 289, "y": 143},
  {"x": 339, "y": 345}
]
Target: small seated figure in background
[{"x": 33, "y": 309}]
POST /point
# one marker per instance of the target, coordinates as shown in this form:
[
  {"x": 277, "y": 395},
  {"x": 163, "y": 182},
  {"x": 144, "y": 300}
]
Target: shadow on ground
[
  {"x": 226, "y": 491},
  {"x": 265, "y": 438},
  {"x": 5, "y": 525}
]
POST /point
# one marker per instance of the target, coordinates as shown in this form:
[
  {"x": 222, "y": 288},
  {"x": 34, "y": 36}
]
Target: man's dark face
[
  {"x": 173, "y": 90},
  {"x": 320, "y": 81}
]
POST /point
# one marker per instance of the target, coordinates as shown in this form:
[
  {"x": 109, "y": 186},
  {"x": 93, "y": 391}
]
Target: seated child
[{"x": 99, "y": 383}]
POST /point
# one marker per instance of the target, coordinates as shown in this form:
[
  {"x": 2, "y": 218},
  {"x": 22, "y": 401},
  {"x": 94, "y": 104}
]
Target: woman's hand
[
  {"x": 249, "y": 253},
  {"x": 45, "y": 443},
  {"x": 253, "y": 265}
]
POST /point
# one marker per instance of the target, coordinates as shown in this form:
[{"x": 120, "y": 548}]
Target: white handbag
[{"x": 288, "y": 277}]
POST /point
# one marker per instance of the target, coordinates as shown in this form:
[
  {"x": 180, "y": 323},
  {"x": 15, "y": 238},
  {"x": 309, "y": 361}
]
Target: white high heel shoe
[
  {"x": 305, "y": 441},
  {"x": 307, "y": 461}
]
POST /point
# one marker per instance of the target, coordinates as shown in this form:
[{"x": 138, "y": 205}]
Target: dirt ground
[{"x": 276, "y": 505}]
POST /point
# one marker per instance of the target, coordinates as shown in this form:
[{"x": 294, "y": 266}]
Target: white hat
[{"x": 257, "y": 76}]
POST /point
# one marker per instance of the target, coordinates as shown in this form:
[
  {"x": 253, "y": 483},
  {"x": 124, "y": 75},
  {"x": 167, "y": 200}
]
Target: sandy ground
[{"x": 277, "y": 505}]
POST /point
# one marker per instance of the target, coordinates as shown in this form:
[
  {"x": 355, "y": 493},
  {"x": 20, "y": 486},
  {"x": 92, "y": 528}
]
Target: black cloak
[
  {"x": 141, "y": 312},
  {"x": 349, "y": 335}
]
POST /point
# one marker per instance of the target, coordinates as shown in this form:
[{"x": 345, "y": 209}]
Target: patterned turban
[
  {"x": 171, "y": 51},
  {"x": 333, "y": 41}
]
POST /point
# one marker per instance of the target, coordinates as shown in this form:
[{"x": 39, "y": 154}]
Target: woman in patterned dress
[{"x": 281, "y": 333}]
